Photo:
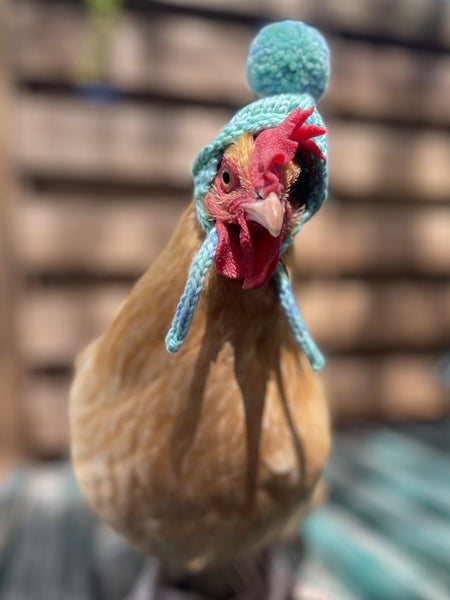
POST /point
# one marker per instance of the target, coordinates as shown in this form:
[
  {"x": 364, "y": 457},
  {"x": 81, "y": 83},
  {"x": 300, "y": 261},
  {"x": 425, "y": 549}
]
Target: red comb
[{"x": 279, "y": 145}]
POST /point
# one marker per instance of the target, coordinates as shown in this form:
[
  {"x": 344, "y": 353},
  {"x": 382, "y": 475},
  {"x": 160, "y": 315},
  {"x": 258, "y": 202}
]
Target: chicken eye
[{"x": 226, "y": 179}]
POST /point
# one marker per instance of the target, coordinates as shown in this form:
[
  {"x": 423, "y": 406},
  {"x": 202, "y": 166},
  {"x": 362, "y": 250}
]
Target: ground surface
[{"x": 383, "y": 534}]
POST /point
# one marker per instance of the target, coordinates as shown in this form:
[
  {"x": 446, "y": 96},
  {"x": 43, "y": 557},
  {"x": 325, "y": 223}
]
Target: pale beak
[{"x": 268, "y": 212}]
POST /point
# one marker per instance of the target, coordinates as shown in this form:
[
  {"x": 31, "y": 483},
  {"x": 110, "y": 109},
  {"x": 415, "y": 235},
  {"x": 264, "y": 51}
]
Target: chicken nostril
[{"x": 268, "y": 212}]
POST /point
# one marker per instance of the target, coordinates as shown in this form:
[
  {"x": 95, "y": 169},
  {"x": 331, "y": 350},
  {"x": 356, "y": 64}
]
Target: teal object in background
[
  {"x": 385, "y": 531},
  {"x": 383, "y": 534}
]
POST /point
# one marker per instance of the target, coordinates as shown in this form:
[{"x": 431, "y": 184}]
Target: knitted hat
[{"x": 288, "y": 66}]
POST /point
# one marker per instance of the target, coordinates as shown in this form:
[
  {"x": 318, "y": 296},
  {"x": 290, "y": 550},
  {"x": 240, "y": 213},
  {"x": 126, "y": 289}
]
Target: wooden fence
[{"x": 99, "y": 185}]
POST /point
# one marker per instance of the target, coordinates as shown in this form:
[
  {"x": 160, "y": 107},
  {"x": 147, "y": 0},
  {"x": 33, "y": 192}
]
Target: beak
[{"x": 268, "y": 212}]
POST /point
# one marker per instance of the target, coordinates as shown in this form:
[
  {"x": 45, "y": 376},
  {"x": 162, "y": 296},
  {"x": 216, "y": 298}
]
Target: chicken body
[{"x": 210, "y": 453}]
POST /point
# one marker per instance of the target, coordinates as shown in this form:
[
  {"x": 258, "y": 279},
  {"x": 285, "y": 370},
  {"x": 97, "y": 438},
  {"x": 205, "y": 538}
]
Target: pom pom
[{"x": 288, "y": 57}]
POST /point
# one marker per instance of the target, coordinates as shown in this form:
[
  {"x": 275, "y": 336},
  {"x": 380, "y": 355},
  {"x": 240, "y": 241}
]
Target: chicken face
[{"x": 252, "y": 199}]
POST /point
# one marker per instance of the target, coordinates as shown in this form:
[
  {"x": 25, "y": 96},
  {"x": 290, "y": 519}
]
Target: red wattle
[{"x": 247, "y": 251}]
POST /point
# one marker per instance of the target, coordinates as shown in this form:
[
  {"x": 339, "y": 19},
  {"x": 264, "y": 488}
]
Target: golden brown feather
[{"x": 204, "y": 455}]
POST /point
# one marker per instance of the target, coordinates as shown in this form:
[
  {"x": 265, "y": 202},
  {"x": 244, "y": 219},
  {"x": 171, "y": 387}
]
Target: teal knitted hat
[{"x": 288, "y": 67}]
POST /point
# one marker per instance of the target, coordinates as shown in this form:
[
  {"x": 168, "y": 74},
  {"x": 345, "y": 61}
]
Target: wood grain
[
  {"x": 158, "y": 54},
  {"x": 425, "y": 22},
  {"x": 372, "y": 267},
  {"x": 342, "y": 316},
  {"x": 11, "y": 440},
  {"x": 391, "y": 387},
  {"x": 394, "y": 387},
  {"x": 46, "y": 418},
  {"x": 376, "y": 162},
  {"x": 405, "y": 20},
  {"x": 155, "y": 144},
  {"x": 388, "y": 82},
  {"x": 56, "y": 233},
  {"x": 72, "y": 137}
]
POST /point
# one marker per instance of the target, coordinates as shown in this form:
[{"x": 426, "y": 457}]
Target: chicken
[{"x": 214, "y": 449}]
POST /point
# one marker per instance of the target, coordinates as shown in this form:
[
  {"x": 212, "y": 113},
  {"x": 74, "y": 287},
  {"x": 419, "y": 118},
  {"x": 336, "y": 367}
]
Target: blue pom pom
[{"x": 288, "y": 57}]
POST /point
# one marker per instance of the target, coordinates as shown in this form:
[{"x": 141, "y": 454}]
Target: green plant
[{"x": 101, "y": 15}]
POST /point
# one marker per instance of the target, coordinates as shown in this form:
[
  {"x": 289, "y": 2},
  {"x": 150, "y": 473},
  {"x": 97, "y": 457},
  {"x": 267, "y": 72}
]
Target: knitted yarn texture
[
  {"x": 288, "y": 66},
  {"x": 194, "y": 285}
]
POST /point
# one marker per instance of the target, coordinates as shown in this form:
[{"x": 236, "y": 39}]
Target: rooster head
[
  {"x": 263, "y": 176},
  {"x": 254, "y": 199}
]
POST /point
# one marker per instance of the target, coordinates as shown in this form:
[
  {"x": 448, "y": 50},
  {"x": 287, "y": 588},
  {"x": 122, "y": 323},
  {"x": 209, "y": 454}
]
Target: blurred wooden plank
[
  {"x": 164, "y": 54},
  {"x": 11, "y": 442},
  {"x": 157, "y": 144},
  {"x": 369, "y": 453},
  {"x": 345, "y": 316},
  {"x": 46, "y": 415},
  {"x": 84, "y": 235},
  {"x": 55, "y": 325},
  {"x": 41, "y": 505},
  {"x": 387, "y": 82},
  {"x": 397, "y": 387},
  {"x": 379, "y": 162},
  {"x": 41, "y": 561},
  {"x": 358, "y": 315},
  {"x": 347, "y": 238},
  {"x": 154, "y": 52},
  {"x": 391, "y": 515},
  {"x": 79, "y": 233},
  {"x": 404, "y": 20},
  {"x": 118, "y": 142}
]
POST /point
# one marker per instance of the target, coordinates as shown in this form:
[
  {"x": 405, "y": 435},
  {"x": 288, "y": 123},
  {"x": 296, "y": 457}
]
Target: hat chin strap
[
  {"x": 295, "y": 319},
  {"x": 194, "y": 285}
]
